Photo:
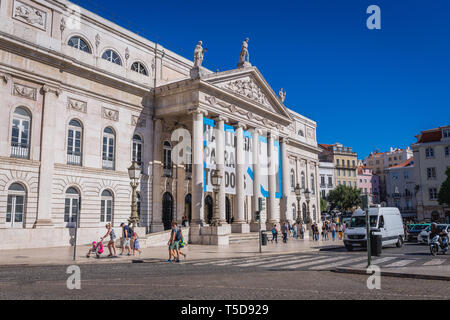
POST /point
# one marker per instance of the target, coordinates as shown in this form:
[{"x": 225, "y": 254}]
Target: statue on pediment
[
  {"x": 199, "y": 52},
  {"x": 282, "y": 95},
  {"x": 244, "y": 59}
]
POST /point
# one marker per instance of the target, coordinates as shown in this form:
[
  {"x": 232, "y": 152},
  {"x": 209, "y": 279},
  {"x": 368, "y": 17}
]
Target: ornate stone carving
[
  {"x": 249, "y": 89},
  {"x": 77, "y": 105},
  {"x": 249, "y": 115},
  {"x": 212, "y": 100},
  {"x": 127, "y": 53},
  {"x": 97, "y": 40},
  {"x": 6, "y": 77},
  {"x": 30, "y": 15},
  {"x": 244, "y": 58},
  {"x": 24, "y": 91},
  {"x": 136, "y": 121},
  {"x": 62, "y": 25},
  {"x": 110, "y": 114},
  {"x": 55, "y": 90}
]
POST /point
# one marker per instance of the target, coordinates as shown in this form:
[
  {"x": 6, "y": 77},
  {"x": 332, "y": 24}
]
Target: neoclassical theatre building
[{"x": 81, "y": 98}]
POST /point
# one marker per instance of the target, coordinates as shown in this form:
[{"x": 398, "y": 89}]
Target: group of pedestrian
[
  {"x": 329, "y": 227},
  {"x": 130, "y": 240},
  {"x": 286, "y": 228},
  {"x": 176, "y": 242}
]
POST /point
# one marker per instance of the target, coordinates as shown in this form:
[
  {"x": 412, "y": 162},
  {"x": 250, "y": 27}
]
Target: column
[
  {"x": 285, "y": 208},
  {"x": 47, "y": 156},
  {"x": 240, "y": 225},
  {"x": 254, "y": 226},
  {"x": 197, "y": 168},
  {"x": 181, "y": 176},
  {"x": 273, "y": 217},
  {"x": 220, "y": 159},
  {"x": 156, "y": 224}
]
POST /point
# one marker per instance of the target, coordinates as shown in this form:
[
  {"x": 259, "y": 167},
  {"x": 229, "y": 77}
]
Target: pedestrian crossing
[{"x": 318, "y": 262}]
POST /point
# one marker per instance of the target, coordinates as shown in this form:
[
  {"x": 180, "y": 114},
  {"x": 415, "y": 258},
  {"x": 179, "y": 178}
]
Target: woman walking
[{"x": 111, "y": 243}]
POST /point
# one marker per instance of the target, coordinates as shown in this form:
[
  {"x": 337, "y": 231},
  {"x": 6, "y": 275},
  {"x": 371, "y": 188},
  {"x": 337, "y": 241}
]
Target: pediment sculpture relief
[
  {"x": 29, "y": 15},
  {"x": 249, "y": 89}
]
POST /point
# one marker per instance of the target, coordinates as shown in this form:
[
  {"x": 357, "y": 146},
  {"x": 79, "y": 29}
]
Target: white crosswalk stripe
[
  {"x": 337, "y": 264},
  {"x": 261, "y": 261},
  {"x": 400, "y": 263},
  {"x": 434, "y": 262},
  {"x": 288, "y": 262},
  {"x": 316, "y": 261},
  {"x": 376, "y": 261}
]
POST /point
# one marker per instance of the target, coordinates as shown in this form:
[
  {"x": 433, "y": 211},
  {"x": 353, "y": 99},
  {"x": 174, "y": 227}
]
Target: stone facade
[
  {"x": 431, "y": 160},
  {"x": 345, "y": 163},
  {"x": 82, "y": 98}
]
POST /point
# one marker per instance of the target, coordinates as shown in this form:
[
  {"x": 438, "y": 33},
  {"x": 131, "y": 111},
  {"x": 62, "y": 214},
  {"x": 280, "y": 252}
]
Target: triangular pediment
[{"x": 249, "y": 85}]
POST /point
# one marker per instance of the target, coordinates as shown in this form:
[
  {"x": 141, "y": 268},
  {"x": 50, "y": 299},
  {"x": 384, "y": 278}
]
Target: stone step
[{"x": 243, "y": 237}]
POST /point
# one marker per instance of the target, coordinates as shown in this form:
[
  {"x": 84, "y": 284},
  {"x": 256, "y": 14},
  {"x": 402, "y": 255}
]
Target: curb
[{"x": 393, "y": 274}]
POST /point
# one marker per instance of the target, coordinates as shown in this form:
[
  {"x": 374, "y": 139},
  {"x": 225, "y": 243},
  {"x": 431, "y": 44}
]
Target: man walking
[
  {"x": 173, "y": 243},
  {"x": 285, "y": 230},
  {"x": 126, "y": 239}
]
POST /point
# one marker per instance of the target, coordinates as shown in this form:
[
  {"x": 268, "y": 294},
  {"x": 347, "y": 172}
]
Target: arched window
[
  {"x": 167, "y": 210},
  {"x": 74, "y": 140},
  {"x": 71, "y": 207},
  {"x": 139, "y": 68},
  {"x": 303, "y": 180},
  {"x": 108, "y": 148},
  {"x": 112, "y": 56},
  {"x": 292, "y": 179},
  {"x": 15, "y": 207},
  {"x": 188, "y": 162},
  {"x": 106, "y": 212},
  {"x": 313, "y": 185},
  {"x": 188, "y": 206},
  {"x": 79, "y": 44},
  {"x": 167, "y": 159},
  {"x": 20, "y": 137},
  {"x": 137, "y": 149}
]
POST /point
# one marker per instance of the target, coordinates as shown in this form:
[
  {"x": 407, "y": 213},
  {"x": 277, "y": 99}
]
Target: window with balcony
[
  {"x": 330, "y": 182},
  {"x": 167, "y": 159},
  {"x": 322, "y": 182},
  {"x": 74, "y": 143},
  {"x": 108, "y": 150},
  {"x": 20, "y": 136}
]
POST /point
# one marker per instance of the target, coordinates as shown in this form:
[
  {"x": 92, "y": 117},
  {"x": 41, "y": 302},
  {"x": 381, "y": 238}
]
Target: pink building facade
[{"x": 368, "y": 183}]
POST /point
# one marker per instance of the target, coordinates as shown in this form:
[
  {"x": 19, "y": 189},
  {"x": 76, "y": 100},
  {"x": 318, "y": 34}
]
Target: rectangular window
[
  {"x": 431, "y": 173},
  {"x": 395, "y": 175},
  {"x": 330, "y": 182},
  {"x": 429, "y": 152},
  {"x": 433, "y": 193},
  {"x": 446, "y": 133},
  {"x": 406, "y": 175}
]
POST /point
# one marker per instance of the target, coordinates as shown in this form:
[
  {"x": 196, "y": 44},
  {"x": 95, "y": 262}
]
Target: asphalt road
[{"x": 194, "y": 281}]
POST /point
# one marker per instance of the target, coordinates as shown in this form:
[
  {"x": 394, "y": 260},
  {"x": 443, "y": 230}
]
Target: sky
[{"x": 367, "y": 89}]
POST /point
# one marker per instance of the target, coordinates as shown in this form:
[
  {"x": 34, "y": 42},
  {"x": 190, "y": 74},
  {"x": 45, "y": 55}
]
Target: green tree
[
  {"x": 344, "y": 198},
  {"x": 323, "y": 205},
  {"x": 444, "y": 191}
]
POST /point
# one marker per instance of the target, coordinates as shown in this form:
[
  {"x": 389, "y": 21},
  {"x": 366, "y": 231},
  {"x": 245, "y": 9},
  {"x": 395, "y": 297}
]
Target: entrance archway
[
  {"x": 228, "y": 216},
  {"x": 208, "y": 209},
  {"x": 167, "y": 211},
  {"x": 188, "y": 206}
]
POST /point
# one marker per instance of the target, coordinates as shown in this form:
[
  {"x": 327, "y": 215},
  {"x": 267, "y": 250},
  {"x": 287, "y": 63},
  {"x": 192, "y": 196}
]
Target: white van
[{"x": 386, "y": 221}]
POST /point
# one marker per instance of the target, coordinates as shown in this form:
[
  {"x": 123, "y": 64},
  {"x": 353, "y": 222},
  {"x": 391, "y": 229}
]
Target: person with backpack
[
  {"x": 181, "y": 243},
  {"x": 112, "y": 240},
  {"x": 285, "y": 230},
  {"x": 274, "y": 233},
  {"x": 126, "y": 239},
  {"x": 173, "y": 243}
]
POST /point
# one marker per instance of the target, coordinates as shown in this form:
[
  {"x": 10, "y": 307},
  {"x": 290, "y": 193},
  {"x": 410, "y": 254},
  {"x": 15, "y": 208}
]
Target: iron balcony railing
[
  {"x": 19, "y": 150},
  {"x": 74, "y": 159}
]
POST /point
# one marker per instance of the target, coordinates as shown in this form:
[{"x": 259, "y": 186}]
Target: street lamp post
[
  {"x": 298, "y": 194},
  {"x": 134, "y": 172},
  {"x": 308, "y": 219},
  {"x": 216, "y": 180}
]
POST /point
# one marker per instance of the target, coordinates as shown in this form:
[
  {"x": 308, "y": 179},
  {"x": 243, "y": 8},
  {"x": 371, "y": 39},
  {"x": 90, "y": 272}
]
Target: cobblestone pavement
[{"x": 236, "y": 279}]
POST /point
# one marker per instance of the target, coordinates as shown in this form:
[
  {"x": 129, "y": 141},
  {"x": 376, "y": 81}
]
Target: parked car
[
  {"x": 424, "y": 235},
  {"x": 387, "y": 221},
  {"x": 414, "y": 231}
]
